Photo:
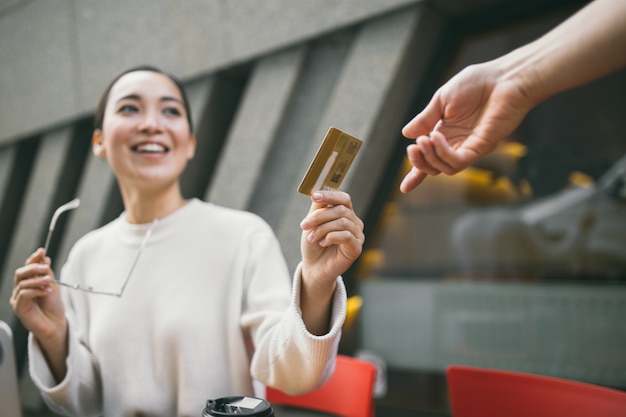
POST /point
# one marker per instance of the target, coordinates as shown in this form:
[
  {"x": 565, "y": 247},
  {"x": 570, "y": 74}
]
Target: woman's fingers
[
  {"x": 39, "y": 256},
  {"x": 29, "y": 271},
  {"x": 29, "y": 289},
  {"x": 32, "y": 280},
  {"x": 39, "y": 282},
  {"x": 327, "y": 206},
  {"x": 332, "y": 220},
  {"x": 337, "y": 231}
]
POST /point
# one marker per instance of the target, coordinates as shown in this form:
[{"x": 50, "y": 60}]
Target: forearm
[
  {"x": 316, "y": 306},
  {"x": 587, "y": 46},
  {"x": 55, "y": 349}
]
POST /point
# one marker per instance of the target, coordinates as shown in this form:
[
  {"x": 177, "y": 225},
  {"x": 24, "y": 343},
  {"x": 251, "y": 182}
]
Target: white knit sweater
[{"x": 206, "y": 310}]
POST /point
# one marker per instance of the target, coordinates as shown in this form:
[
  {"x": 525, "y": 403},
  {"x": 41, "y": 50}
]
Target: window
[{"x": 519, "y": 262}]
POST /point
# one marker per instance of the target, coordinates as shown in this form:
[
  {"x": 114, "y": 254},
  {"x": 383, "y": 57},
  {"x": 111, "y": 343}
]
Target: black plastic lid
[{"x": 240, "y": 406}]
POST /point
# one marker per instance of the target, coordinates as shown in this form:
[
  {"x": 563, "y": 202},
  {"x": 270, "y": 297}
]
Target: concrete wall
[{"x": 57, "y": 55}]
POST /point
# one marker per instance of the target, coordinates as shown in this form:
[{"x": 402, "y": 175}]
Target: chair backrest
[
  {"x": 480, "y": 392},
  {"x": 9, "y": 394},
  {"x": 348, "y": 392}
]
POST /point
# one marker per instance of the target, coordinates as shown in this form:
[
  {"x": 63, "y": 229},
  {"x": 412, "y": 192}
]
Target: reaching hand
[{"x": 464, "y": 121}]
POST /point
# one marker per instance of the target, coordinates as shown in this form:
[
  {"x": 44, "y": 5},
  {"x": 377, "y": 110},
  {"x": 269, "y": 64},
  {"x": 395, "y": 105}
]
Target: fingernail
[
  {"x": 311, "y": 237},
  {"x": 317, "y": 196}
]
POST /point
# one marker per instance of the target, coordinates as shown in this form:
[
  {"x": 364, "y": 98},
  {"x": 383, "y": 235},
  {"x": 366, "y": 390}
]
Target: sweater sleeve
[
  {"x": 78, "y": 393},
  {"x": 322, "y": 350},
  {"x": 286, "y": 355}
]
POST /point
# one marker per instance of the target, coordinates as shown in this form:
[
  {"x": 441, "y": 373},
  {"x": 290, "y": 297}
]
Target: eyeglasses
[{"x": 71, "y": 206}]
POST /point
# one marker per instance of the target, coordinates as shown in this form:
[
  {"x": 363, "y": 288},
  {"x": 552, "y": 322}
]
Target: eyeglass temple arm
[
  {"x": 141, "y": 246},
  {"x": 65, "y": 207}
]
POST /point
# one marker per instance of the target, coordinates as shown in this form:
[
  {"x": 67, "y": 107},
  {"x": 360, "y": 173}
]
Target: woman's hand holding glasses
[{"x": 36, "y": 300}]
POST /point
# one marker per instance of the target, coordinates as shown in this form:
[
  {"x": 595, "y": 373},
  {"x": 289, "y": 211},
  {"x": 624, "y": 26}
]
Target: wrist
[
  {"x": 521, "y": 70},
  {"x": 316, "y": 297},
  {"x": 55, "y": 349},
  {"x": 316, "y": 288},
  {"x": 54, "y": 340}
]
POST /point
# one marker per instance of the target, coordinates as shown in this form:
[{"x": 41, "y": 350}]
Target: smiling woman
[
  {"x": 209, "y": 305},
  {"x": 145, "y": 134}
]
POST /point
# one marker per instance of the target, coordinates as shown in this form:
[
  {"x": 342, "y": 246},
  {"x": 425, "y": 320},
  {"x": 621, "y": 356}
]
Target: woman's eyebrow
[
  {"x": 138, "y": 97},
  {"x": 129, "y": 97},
  {"x": 172, "y": 98}
]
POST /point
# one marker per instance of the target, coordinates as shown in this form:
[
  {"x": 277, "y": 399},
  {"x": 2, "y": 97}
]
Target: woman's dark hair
[{"x": 99, "y": 116}]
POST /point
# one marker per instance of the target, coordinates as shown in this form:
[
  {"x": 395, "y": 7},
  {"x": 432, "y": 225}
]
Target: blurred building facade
[{"x": 517, "y": 263}]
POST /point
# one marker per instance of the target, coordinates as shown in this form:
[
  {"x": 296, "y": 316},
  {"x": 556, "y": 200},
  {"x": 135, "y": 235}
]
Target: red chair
[
  {"x": 348, "y": 392},
  {"x": 479, "y": 392}
]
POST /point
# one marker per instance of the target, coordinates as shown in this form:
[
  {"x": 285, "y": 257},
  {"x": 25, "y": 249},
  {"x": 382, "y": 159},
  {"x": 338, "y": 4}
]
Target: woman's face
[{"x": 145, "y": 133}]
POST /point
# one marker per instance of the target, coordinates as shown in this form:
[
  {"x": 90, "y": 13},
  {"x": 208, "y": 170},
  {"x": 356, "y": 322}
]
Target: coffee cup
[{"x": 240, "y": 406}]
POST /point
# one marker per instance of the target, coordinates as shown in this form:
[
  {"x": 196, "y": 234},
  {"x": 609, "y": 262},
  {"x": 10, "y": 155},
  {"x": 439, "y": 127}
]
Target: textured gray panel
[
  {"x": 7, "y": 5},
  {"x": 80, "y": 45},
  {"x": 254, "y": 128},
  {"x": 37, "y": 80},
  {"x": 6, "y": 164},
  {"x": 356, "y": 101},
  {"x": 34, "y": 215},
  {"x": 263, "y": 26},
  {"x": 285, "y": 164},
  {"x": 197, "y": 93},
  {"x": 369, "y": 72},
  {"x": 114, "y": 35},
  {"x": 568, "y": 331},
  {"x": 406, "y": 69}
]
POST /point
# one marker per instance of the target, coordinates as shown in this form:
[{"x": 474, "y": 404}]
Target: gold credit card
[{"x": 331, "y": 162}]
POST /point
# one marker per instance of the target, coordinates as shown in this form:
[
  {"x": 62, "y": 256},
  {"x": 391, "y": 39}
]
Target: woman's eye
[
  {"x": 127, "y": 108},
  {"x": 172, "y": 111}
]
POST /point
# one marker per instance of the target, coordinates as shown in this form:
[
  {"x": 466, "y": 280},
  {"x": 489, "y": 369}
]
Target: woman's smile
[{"x": 150, "y": 148}]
